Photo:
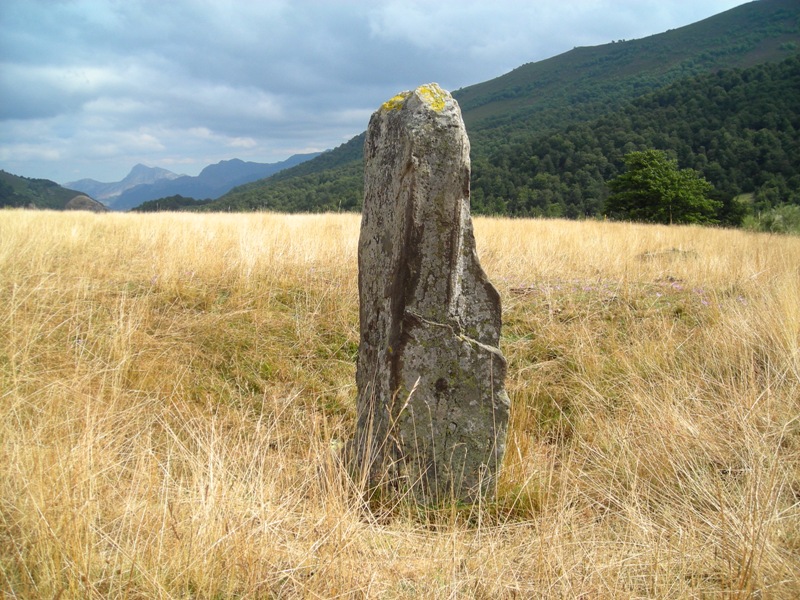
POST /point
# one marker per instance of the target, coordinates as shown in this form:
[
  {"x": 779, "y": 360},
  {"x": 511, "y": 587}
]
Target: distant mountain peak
[
  {"x": 139, "y": 175},
  {"x": 144, "y": 174},
  {"x": 213, "y": 181}
]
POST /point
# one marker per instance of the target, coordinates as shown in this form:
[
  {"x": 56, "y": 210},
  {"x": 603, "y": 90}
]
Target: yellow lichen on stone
[
  {"x": 395, "y": 103},
  {"x": 433, "y": 95}
]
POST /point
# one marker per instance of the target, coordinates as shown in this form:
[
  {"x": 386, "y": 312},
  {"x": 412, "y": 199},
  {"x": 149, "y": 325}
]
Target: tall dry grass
[{"x": 174, "y": 390}]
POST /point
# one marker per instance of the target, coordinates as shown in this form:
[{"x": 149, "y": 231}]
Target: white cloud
[
  {"x": 242, "y": 142},
  {"x": 29, "y": 152}
]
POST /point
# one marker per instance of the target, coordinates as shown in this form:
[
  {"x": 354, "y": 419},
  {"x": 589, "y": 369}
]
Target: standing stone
[{"x": 432, "y": 407}]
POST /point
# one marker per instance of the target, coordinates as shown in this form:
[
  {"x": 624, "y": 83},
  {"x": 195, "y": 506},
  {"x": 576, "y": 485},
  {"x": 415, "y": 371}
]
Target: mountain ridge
[
  {"x": 139, "y": 175},
  {"x": 572, "y": 87},
  {"x": 213, "y": 181},
  {"x": 739, "y": 37},
  {"x": 143, "y": 183}
]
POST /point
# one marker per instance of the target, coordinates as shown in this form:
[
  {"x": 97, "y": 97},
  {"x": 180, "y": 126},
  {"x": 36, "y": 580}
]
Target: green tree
[{"x": 655, "y": 190}]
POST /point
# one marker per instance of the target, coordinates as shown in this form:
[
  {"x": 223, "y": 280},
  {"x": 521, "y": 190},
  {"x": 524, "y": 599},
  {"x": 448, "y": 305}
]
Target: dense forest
[
  {"x": 588, "y": 82},
  {"x": 170, "y": 204},
  {"x": 739, "y": 128}
]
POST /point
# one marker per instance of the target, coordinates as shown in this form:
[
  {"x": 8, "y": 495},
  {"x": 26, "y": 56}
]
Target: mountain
[
  {"x": 325, "y": 181},
  {"x": 16, "y": 191},
  {"x": 212, "y": 182},
  {"x": 549, "y": 96},
  {"x": 106, "y": 192},
  {"x": 738, "y": 128},
  {"x": 588, "y": 81}
]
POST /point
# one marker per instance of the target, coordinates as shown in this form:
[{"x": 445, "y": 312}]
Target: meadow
[{"x": 175, "y": 390}]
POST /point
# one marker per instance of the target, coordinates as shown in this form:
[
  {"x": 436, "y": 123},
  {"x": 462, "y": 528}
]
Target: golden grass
[{"x": 174, "y": 390}]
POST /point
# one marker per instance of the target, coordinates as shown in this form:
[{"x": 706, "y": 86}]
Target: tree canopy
[{"x": 655, "y": 190}]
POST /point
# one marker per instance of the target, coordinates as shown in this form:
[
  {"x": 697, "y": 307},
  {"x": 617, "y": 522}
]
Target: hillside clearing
[{"x": 174, "y": 390}]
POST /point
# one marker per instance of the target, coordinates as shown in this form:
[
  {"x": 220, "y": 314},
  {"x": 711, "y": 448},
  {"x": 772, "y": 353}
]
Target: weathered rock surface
[{"x": 432, "y": 407}]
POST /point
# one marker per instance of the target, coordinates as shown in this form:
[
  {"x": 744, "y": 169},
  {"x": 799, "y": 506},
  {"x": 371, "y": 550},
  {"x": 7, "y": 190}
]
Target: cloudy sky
[{"x": 89, "y": 88}]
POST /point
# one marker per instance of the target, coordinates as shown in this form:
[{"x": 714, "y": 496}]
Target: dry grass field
[{"x": 175, "y": 389}]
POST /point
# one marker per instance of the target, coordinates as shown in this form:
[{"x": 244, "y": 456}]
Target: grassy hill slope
[{"x": 574, "y": 87}]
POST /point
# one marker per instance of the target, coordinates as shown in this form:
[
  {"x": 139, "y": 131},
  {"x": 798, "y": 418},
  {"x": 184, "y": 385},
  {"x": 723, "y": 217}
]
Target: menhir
[{"x": 432, "y": 406}]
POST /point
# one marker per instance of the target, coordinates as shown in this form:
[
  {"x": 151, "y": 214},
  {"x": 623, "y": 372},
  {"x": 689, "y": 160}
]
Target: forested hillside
[
  {"x": 589, "y": 81},
  {"x": 17, "y": 192},
  {"x": 332, "y": 181},
  {"x": 547, "y": 112},
  {"x": 739, "y": 128}
]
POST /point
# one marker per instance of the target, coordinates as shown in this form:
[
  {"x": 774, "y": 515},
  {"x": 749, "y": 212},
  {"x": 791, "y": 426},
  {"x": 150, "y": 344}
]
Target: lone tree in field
[{"x": 655, "y": 190}]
